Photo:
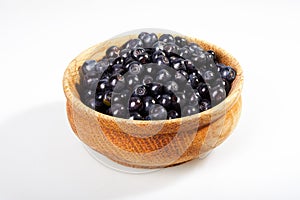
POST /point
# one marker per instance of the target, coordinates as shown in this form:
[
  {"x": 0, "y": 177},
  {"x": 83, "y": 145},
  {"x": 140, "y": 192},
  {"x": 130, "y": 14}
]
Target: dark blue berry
[
  {"x": 190, "y": 110},
  {"x": 147, "y": 79},
  {"x": 112, "y": 52},
  {"x": 135, "y": 68},
  {"x": 148, "y": 39},
  {"x": 140, "y": 91},
  {"x": 204, "y": 105},
  {"x": 181, "y": 98},
  {"x": 218, "y": 94},
  {"x": 125, "y": 53},
  {"x": 228, "y": 73},
  {"x": 159, "y": 45},
  {"x": 180, "y": 41},
  {"x": 148, "y": 101},
  {"x": 132, "y": 44},
  {"x": 119, "y": 110},
  {"x": 88, "y": 66},
  {"x": 156, "y": 89},
  {"x": 171, "y": 48},
  {"x": 184, "y": 52},
  {"x": 171, "y": 86},
  {"x": 157, "y": 112},
  {"x": 181, "y": 77},
  {"x": 135, "y": 104},
  {"x": 132, "y": 81},
  {"x": 135, "y": 116},
  {"x": 172, "y": 114},
  {"x": 212, "y": 55},
  {"x": 204, "y": 90},
  {"x": 165, "y": 100},
  {"x": 163, "y": 75},
  {"x": 194, "y": 80},
  {"x": 167, "y": 38}
]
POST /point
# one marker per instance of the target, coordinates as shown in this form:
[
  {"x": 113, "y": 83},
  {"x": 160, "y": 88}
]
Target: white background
[{"x": 40, "y": 158}]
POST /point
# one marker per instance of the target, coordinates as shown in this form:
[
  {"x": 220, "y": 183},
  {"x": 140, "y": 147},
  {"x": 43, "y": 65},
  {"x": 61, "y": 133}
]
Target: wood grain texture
[{"x": 151, "y": 144}]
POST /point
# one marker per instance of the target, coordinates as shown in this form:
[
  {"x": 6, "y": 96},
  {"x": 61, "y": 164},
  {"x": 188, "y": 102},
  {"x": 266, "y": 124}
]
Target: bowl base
[
  {"x": 114, "y": 165},
  {"x": 123, "y": 167}
]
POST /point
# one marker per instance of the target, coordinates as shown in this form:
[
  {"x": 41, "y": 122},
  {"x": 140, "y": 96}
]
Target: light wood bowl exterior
[{"x": 151, "y": 144}]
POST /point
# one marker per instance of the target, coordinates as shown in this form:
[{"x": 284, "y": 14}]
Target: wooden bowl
[{"x": 151, "y": 144}]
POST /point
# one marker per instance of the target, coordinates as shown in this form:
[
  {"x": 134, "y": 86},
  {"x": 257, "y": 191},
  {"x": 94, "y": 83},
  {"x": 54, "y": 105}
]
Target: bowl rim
[{"x": 227, "y": 103}]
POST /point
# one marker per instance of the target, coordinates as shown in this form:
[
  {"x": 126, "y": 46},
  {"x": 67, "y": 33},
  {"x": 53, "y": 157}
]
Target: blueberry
[
  {"x": 220, "y": 66},
  {"x": 194, "y": 99},
  {"x": 113, "y": 80},
  {"x": 132, "y": 81},
  {"x": 195, "y": 48},
  {"x": 171, "y": 86},
  {"x": 119, "y": 61},
  {"x": 172, "y": 114},
  {"x": 212, "y": 55},
  {"x": 167, "y": 38},
  {"x": 190, "y": 110},
  {"x": 125, "y": 53},
  {"x": 181, "y": 76},
  {"x": 204, "y": 105},
  {"x": 148, "y": 39},
  {"x": 148, "y": 101},
  {"x": 163, "y": 75},
  {"x": 228, "y": 73},
  {"x": 103, "y": 85},
  {"x": 142, "y": 35},
  {"x": 135, "y": 104},
  {"x": 90, "y": 103},
  {"x": 147, "y": 79},
  {"x": 157, "y": 112},
  {"x": 161, "y": 60},
  {"x": 117, "y": 69},
  {"x": 165, "y": 100},
  {"x": 170, "y": 48},
  {"x": 157, "y": 53},
  {"x": 180, "y": 41},
  {"x": 88, "y": 66},
  {"x": 135, "y": 68},
  {"x": 190, "y": 67},
  {"x": 159, "y": 45},
  {"x": 112, "y": 52},
  {"x": 184, "y": 52},
  {"x": 90, "y": 80},
  {"x": 135, "y": 116},
  {"x": 137, "y": 51},
  {"x": 199, "y": 60},
  {"x": 181, "y": 98},
  {"x": 221, "y": 82},
  {"x": 178, "y": 64},
  {"x": 101, "y": 66},
  {"x": 156, "y": 89},
  {"x": 218, "y": 94},
  {"x": 204, "y": 90},
  {"x": 132, "y": 44},
  {"x": 140, "y": 90},
  {"x": 194, "y": 80},
  {"x": 209, "y": 76},
  {"x": 119, "y": 110},
  {"x": 150, "y": 69},
  {"x": 125, "y": 94}
]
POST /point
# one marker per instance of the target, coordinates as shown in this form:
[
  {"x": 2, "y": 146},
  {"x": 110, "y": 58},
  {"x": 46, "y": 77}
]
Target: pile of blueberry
[{"x": 151, "y": 78}]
